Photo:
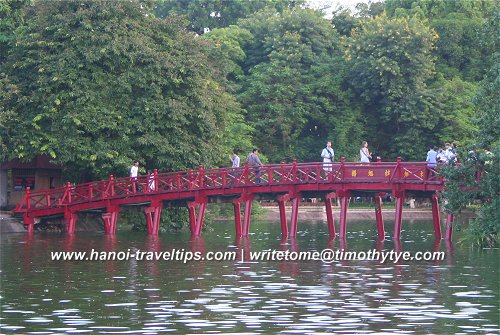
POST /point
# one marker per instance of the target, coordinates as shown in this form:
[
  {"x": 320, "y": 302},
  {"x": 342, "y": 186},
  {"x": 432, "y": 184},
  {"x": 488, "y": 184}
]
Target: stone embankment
[
  {"x": 319, "y": 213},
  {"x": 14, "y": 224}
]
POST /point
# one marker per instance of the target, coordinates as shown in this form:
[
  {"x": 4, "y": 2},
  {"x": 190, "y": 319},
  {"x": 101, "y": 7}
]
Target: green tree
[
  {"x": 11, "y": 17},
  {"x": 463, "y": 49},
  {"x": 457, "y": 123},
  {"x": 214, "y": 14},
  {"x": 98, "y": 84},
  {"x": 391, "y": 64},
  {"x": 292, "y": 89},
  {"x": 462, "y": 183}
]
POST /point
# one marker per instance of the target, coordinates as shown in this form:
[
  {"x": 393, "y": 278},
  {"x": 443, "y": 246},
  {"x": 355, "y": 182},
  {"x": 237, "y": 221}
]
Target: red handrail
[{"x": 271, "y": 174}]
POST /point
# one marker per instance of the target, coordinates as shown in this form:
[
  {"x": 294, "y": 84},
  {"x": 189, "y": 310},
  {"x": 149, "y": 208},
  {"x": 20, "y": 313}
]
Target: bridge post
[
  {"x": 295, "y": 214},
  {"x": 378, "y": 216},
  {"x": 153, "y": 215},
  {"x": 247, "y": 215},
  {"x": 449, "y": 227},
  {"x": 68, "y": 191},
  {"x": 196, "y": 219},
  {"x": 109, "y": 219},
  {"x": 344, "y": 204},
  {"x": 155, "y": 180},
  {"x": 200, "y": 176},
  {"x": 282, "y": 199},
  {"x": 30, "y": 222},
  {"x": 191, "y": 205},
  {"x": 237, "y": 216},
  {"x": 329, "y": 215},
  {"x": 70, "y": 220},
  {"x": 398, "y": 217},
  {"x": 436, "y": 217}
]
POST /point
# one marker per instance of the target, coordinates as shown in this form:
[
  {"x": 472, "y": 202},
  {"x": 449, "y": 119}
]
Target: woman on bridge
[{"x": 364, "y": 153}]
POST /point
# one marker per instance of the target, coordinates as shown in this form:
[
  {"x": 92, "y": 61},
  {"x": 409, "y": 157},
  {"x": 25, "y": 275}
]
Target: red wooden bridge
[{"x": 279, "y": 182}]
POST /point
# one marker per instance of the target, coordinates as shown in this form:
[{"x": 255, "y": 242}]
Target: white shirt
[
  {"x": 364, "y": 157},
  {"x": 327, "y": 154},
  {"x": 133, "y": 171},
  {"x": 236, "y": 161}
]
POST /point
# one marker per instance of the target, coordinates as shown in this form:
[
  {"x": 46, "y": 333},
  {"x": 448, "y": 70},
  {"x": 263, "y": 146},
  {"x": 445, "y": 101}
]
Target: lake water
[{"x": 458, "y": 295}]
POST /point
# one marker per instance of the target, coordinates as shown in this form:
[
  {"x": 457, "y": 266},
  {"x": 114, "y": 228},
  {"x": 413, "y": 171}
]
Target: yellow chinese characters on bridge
[
  {"x": 387, "y": 173},
  {"x": 354, "y": 173},
  {"x": 421, "y": 174},
  {"x": 406, "y": 174},
  {"x": 370, "y": 173}
]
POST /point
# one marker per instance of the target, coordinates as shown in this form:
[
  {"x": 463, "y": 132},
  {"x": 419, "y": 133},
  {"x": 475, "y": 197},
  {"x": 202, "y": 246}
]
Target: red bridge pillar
[
  {"x": 282, "y": 199},
  {"x": 295, "y": 214},
  {"x": 398, "y": 217},
  {"x": 30, "y": 222},
  {"x": 153, "y": 215},
  {"x": 196, "y": 219},
  {"x": 70, "y": 220},
  {"x": 237, "y": 216},
  {"x": 109, "y": 219},
  {"x": 329, "y": 215},
  {"x": 247, "y": 215},
  {"x": 378, "y": 216},
  {"x": 344, "y": 204},
  {"x": 449, "y": 227},
  {"x": 436, "y": 217}
]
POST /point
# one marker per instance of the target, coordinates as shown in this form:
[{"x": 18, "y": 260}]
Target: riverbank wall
[{"x": 14, "y": 224}]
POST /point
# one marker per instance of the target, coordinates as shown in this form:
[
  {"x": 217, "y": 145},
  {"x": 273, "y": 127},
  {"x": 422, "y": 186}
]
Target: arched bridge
[{"x": 240, "y": 186}]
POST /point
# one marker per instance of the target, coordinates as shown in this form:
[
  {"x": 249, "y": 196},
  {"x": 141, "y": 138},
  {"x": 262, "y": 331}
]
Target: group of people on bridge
[{"x": 435, "y": 155}]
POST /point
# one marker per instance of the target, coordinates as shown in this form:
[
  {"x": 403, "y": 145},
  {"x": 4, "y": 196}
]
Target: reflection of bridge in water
[{"x": 279, "y": 182}]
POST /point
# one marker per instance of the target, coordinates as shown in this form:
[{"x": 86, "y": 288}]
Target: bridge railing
[{"x": 246, "y": 176}]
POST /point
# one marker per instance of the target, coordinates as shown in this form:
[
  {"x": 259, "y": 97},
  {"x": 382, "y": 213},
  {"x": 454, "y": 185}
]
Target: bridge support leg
[
  {"x": 196, "y": 219},
  {"x": 153, "y": 215},
  {"x": 329, "y": 215},
  {"x": 247, "y": 216},
  {"x": 398, "y": 217},
  {"x": 282, "y": 199},
  {"x": 192, "y": 216},
  {"x": 237, "y": 216},
  {"x": 449, "y": 227},
  {"x": 109, "y": 219},
  {"x": 30, "y": 223},
  {"x": 200, "y": 218},
  {"x": 378, "y": 216},
  {"x": 436, "y": 217},
  {"x": 344, "y": 204},
  {"x": 295, "y": 215},
  {"x": 70, "y": 220}
]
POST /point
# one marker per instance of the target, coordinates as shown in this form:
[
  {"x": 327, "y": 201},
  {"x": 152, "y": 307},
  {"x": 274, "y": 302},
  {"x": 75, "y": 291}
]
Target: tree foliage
[
  {"x": 391, "y": 63},
  {"x": 291, "y": 109},
  {"x": 213, "y": 14},
  {"x": 98, "y": 84}
]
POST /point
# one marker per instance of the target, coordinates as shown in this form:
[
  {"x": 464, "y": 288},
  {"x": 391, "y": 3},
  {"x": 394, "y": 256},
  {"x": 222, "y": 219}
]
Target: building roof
[{"x": 38, "y": 162}]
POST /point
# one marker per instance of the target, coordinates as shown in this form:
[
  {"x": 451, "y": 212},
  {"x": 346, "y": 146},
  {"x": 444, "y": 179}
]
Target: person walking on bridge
[
  {"x": 235, "y": 164},
  {"x": 254, "y": 160},
  {"x": 328, "y": 156}
]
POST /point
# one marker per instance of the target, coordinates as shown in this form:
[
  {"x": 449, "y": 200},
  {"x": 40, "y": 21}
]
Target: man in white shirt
[
  {"x": 235, "y": 164},
  {"x": 134, "y": 170},
  {"x": 328, "y": 155},
  {"x": 235, "y": 160}
]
